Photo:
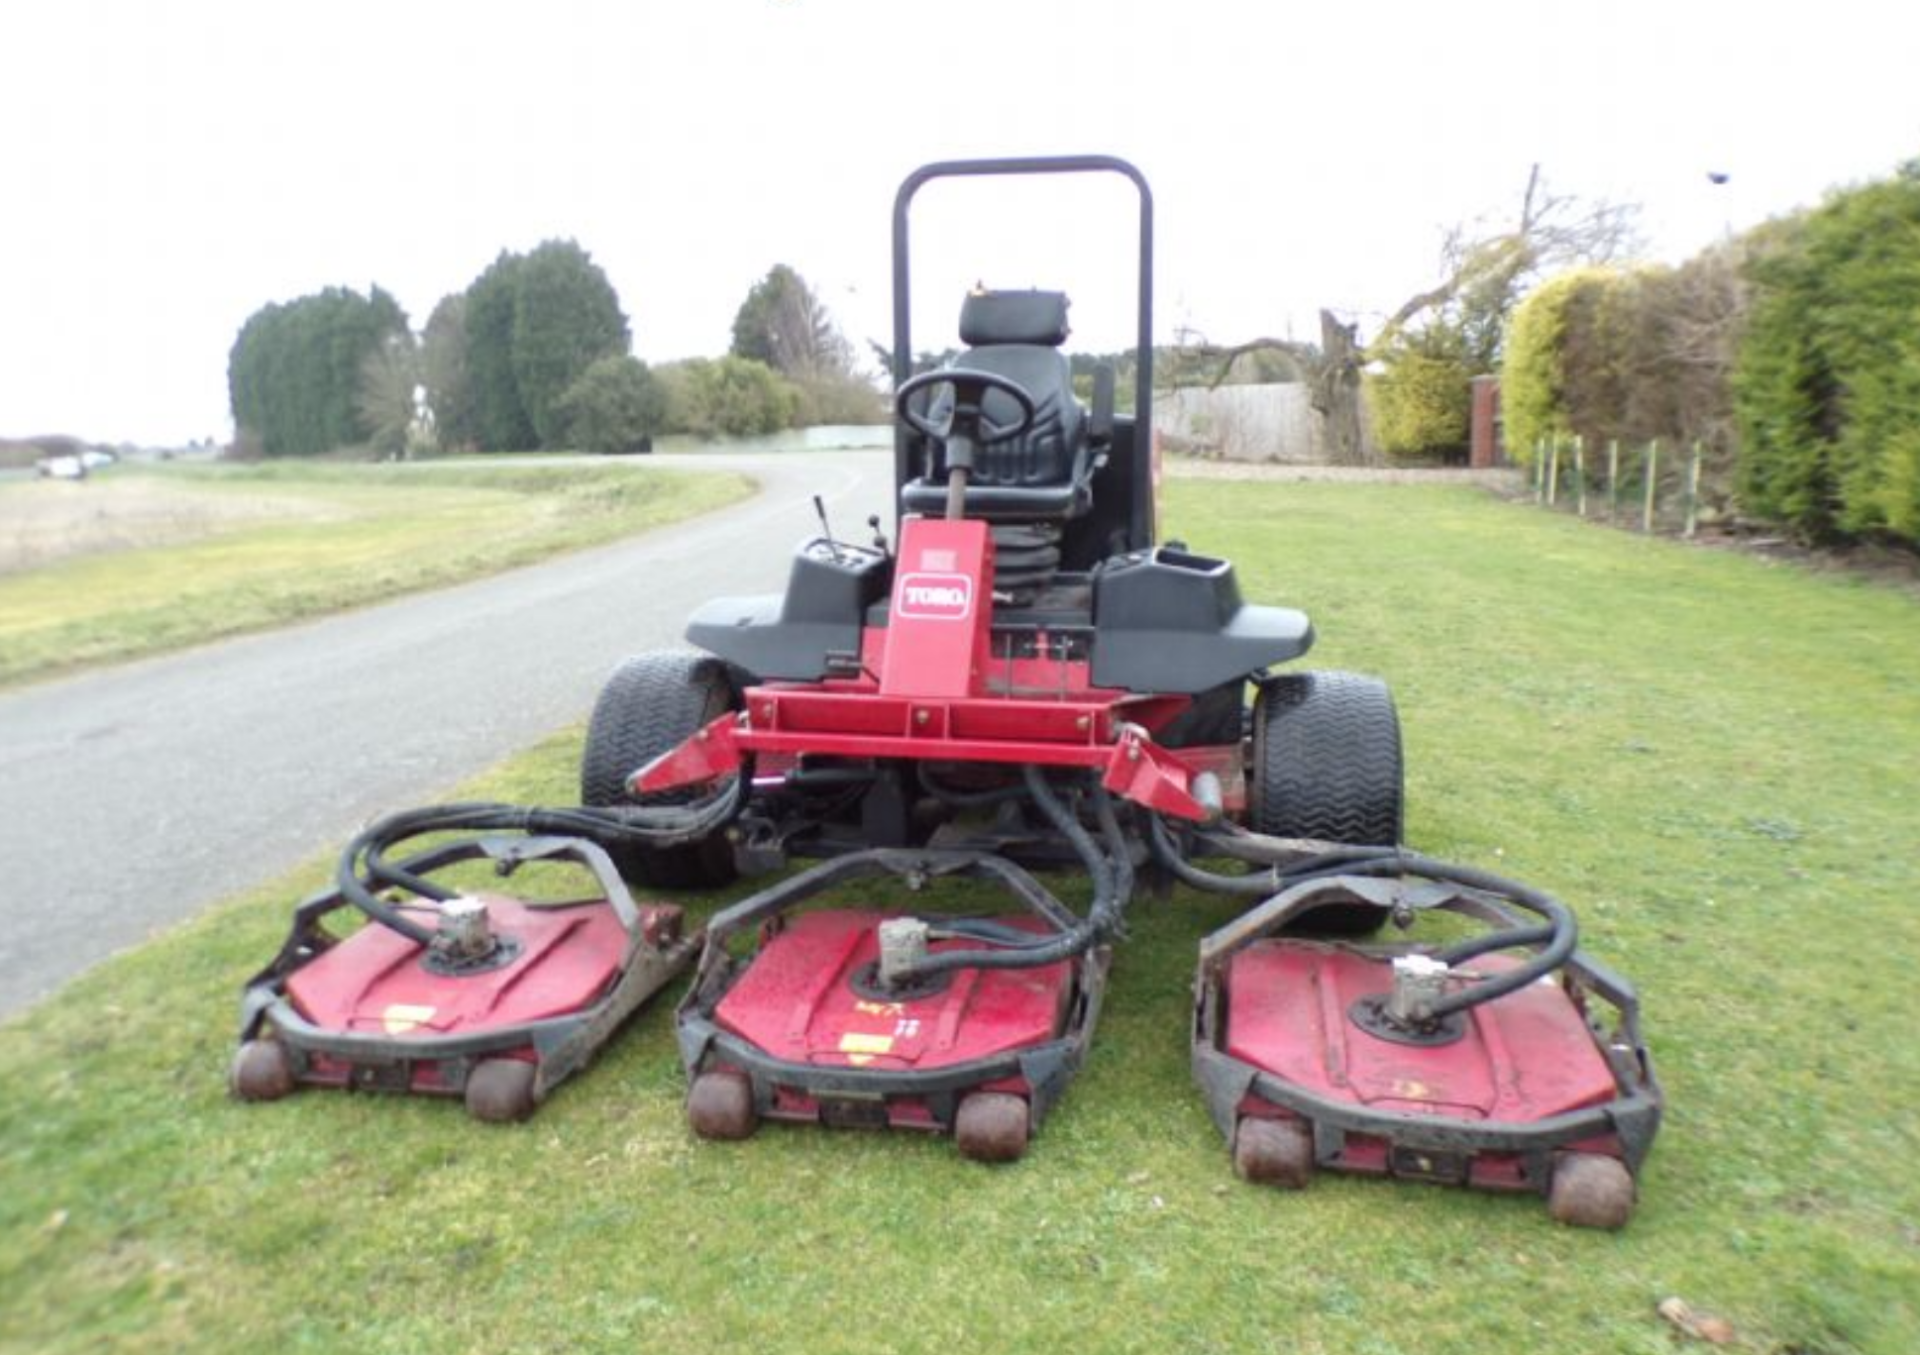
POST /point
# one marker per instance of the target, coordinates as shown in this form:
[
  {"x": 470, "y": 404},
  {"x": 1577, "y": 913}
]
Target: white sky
[{"x": 165, "y": 169}]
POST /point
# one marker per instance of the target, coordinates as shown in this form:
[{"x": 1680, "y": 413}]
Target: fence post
[
  {"x": 1580, "y": 470},
  {"x": 1553, "y": 472},
  {"x": 1693, "y": 490},
  {"x": 1613, "y": 479},
  {"x": 1653, "y": 479}
]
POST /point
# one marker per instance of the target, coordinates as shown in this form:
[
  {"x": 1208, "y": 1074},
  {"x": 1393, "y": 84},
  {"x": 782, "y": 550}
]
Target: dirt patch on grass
[{"x": 44, "y": 522}]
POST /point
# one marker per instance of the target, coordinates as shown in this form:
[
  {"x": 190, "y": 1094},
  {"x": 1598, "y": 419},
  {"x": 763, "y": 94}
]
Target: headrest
[{"x": 1014, "y": 317}]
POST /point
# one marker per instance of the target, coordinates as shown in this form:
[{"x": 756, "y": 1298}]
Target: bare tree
[
  {"x": 388, "y": 396},
  {"x": 1484, "y": 273}
]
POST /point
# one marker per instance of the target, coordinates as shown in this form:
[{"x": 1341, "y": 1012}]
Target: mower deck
[
  {"x": 803, "y": 1029},
  {"x": 1526, "y": 1059},
  {"x": 1524, "y": 1091},
  {"x": 379, "y": 1011},
  {"x": 810, "y": 998},
  {"x": 377, "y": 981}
]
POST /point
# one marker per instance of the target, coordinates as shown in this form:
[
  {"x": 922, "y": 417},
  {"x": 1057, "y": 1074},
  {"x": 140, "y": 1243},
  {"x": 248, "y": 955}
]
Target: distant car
[{"x": 72, "y": 466}]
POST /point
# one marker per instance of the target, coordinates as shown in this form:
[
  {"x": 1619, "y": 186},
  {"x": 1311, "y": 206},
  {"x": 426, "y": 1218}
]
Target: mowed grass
[
  {"x": 373, "y": 532},
  {"x": 1711, "y": 758}
]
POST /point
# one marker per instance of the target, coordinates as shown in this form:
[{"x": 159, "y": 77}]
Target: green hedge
[
  {"x": 1828, "y": 384},
  {"x": 1532, "y": 372}
]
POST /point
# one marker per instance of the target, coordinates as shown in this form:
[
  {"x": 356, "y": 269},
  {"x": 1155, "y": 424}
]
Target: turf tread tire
[
  {"x": 652, "y": 703},
  {"x": 1327, "y": 765},
  {"x": 1326, "y": 759}
]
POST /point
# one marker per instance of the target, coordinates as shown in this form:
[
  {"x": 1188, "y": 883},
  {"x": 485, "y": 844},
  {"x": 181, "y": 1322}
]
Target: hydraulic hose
[
  {"x": 1167, "y": 853},
  {"x": 1560, "y": 931},
  {"x": 968, "y": 799},
  {"x": 1102, "y": 917},
  {"x": 658, "y": 825},
  {"x": 1557, "y": 935}
]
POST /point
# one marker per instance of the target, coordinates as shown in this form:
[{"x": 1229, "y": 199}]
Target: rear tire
[
  {"x": 1273, "y": 1153},
  {"x": 992, "y": 1127},
  {"x": 1327, "y": 765},
  {"x": 651, "y": 704}
]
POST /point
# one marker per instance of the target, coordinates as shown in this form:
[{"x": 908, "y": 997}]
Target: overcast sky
[{"x": 165, "y": 169}]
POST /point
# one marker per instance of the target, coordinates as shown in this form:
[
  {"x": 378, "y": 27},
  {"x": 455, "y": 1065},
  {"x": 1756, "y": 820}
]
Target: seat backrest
[{"x": 1018, "y": 335}]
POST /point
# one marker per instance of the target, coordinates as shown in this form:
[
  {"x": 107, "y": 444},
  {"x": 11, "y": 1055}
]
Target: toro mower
[
  {"x": 450, "y": 992},
  {"x": 1023, "y": 680},
  {"x": 1026, "y": 679}
]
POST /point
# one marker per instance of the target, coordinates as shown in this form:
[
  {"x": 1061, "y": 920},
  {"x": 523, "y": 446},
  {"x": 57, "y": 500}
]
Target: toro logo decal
[{"x": 936, "y": 597}]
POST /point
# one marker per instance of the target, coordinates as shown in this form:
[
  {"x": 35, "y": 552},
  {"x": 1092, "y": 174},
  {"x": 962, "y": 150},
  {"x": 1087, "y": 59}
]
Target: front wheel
[{"x": 652, "y": 704}]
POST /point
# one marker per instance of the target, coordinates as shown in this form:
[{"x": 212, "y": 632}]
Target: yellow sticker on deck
[
  {"x": 859, "y": 1042},
  {"x": 402, "y": 1017}
]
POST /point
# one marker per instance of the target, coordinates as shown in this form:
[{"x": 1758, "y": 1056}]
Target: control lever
[{"x": 826, "y": 529}]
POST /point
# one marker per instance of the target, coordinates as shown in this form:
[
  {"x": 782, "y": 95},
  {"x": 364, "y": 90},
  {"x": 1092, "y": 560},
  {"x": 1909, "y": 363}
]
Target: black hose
[
  {"x": 1557, "y": 935},
  {"x": 1102, "y": 915},
  {"x": 1121, "y": 857},
  {"x": 1560, "y": 931},
  {"x": 1563, "y": 931},
  {"x": 968, "y": 799},
  {"x": 1474, "y": 947},
  {"x": 659, "y": 825},
  {"x": 1165, "y": 851}
]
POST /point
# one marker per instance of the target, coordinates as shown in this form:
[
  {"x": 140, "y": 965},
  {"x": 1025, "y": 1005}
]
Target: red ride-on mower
[
  {"x": 450, "y": 993},
  {"x": 1458, "y": 1063},
  {"x": 1028, "y": 676}
]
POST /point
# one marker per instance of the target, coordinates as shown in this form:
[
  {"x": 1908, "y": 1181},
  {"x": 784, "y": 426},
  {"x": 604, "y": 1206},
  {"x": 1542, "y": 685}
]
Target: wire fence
[{"x": 1654, "y": 487}]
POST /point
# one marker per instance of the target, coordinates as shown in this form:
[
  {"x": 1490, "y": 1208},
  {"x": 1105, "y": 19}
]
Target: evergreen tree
[
  {"x": 783, "y": 324},
  {"x": 294, "y": 373},
  {"x": 1828, "y": 378},
  {"x": 565, "y": 317},
  {"x": 500, "y": 422},
  {"x": 443, "y": 371}
]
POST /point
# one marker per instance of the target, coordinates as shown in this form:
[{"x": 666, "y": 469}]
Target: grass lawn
[
  {"x": 303, "y": 539},
  {"x": 1710, "y": 757}
]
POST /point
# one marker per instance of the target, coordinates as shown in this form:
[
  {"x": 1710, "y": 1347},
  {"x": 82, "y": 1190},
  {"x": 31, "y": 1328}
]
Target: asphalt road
[{"x": 133, "y": 797}]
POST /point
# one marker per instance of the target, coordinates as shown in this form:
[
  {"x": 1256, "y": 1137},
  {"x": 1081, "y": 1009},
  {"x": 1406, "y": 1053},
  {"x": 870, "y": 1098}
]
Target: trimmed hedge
[
  {"x": 1532, "y": 372},
  {"x": 1828, "y": 385},
  {"x": 1790, "y": 356}
]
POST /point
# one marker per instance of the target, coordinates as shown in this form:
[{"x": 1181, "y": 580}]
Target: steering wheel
[{"x": 968, "y": 416}]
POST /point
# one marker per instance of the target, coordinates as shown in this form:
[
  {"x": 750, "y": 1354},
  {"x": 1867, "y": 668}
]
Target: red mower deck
[
  {"x": 1304, "y": 1066},
  {"x": 804, "y": 1029},
  {"x": 380, "y": 1011},
  {"x": 1523, "y": 1059},
  {"x": 803, "y": 1000}
]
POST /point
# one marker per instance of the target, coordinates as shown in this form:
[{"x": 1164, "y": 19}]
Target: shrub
[
  {"x": 727, "y": 397},
  {"x": 1827, "y": 388},
  {"x": 1533, "y": 383},
  {"x": 1421, "y": 402},
  {"x": 614, "y": 406}
]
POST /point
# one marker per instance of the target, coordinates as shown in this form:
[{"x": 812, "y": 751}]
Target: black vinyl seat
[{"x": 1044, "y": 473}]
